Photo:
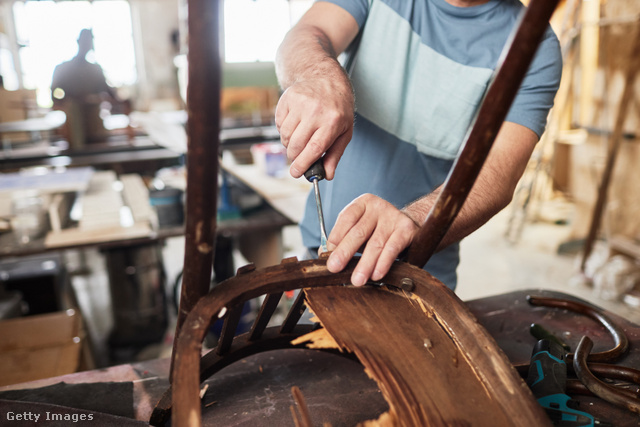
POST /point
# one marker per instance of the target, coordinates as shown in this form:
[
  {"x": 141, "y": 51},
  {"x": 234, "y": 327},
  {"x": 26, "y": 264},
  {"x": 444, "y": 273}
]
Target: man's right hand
[
  {"x": 315, "y": 113},
  {"x": 315, "y": 116}
]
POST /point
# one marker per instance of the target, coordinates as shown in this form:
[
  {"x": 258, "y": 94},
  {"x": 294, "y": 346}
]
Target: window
[
  {"x": 253, "y": 29},
  {"x": 48, "y": 33},
  {"x": 7, "y": 68}
]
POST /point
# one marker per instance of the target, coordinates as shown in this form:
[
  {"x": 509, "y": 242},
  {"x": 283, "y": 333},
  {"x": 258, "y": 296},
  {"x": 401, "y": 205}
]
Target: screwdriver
[{"x": 314, "y": 174}]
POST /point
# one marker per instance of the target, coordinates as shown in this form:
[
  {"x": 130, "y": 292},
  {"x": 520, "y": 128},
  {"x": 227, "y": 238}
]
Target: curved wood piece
[
  {"x": 597, "y": 387},
  {"x": 243, "y": 346},
  {"x": 427, "y": 373},
  {"x": 476, "y": 349},
  {"x": 479, "y": 140},
  {"x": 619, "y": 337},
  {"x": 615, "y": 372}
]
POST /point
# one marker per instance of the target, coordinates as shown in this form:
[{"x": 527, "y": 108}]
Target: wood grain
[
  {"x": 433, "y": 313},
  {"x": 425, "y": 375}
]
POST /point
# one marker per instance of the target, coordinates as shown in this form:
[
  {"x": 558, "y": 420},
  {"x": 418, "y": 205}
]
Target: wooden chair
[{"x": 443, "y": 337}]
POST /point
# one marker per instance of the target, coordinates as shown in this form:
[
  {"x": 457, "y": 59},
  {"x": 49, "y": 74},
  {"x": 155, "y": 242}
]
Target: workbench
[
  {"x": 257, "y": 232},
  {"x": 263, "y": 219},
  {"x": 257, "y": 390},
  {"x": 118, "y": 153}
]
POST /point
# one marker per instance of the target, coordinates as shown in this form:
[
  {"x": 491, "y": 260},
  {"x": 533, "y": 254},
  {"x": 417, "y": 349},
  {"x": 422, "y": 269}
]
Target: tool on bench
[
  {"x": 314, "y": 174},
  {"x": 547, "y": 379},
  {"x": 541, "y": 333}
]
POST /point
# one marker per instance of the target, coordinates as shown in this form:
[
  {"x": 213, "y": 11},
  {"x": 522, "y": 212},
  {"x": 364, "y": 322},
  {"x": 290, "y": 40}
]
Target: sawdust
[
  {"x": 387, "y": 419},
  {"x": 314, "y": 269},
  {"x": 425, "y": 310},
  {"x": 319, "y": 338}
]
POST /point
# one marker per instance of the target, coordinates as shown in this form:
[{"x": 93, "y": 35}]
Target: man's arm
[
  {"x": 385, "y": 231},
  {"x": 315, "y": 113}
]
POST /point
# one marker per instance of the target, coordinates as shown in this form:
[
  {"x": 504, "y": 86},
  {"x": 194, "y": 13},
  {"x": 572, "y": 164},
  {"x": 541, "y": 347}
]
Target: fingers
[
  {"x": 313, "y": 123},
  {"x": 286, "y": 121},
  {"x": 350, "y": 231},
  {"x": 282, "y": 111},
  {"x": 333, "y": 155},
  {"x": 395, "y": 243},
  {"x": 305, "y": 148},
  {"x": 385, "y": 230},
  {"x": 308, "y": 143}
]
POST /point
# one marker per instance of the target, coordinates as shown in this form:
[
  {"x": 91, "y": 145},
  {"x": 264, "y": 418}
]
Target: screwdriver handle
[{"x": 316, "y": 171}]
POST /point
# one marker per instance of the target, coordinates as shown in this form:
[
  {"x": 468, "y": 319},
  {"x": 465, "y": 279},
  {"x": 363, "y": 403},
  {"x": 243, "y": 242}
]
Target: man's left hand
[{"x": 375, "y": 224}]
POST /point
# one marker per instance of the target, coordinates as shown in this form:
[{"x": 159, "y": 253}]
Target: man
[
  {"x": 78, "y": 88},
  {"x": 418, "y": 70}
]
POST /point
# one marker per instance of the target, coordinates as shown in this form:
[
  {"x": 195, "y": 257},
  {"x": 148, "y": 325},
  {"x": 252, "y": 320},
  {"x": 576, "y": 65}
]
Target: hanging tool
[
  {"x": 314, "y": 174},
  {"x": 548, "y": 379}
]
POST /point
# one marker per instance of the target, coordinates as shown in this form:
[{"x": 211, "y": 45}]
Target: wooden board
[
  {"x": 77, "y": 236},
  {"x": 425, "y": 373}
]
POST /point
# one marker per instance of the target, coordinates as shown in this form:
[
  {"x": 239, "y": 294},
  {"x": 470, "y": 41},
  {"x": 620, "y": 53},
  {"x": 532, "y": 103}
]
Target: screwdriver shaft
[{"x": 323, "y": 230}]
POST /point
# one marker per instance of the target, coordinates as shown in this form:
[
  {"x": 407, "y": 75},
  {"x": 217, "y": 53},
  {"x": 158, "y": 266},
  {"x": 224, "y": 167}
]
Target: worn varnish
[
  {"x": 203, "y": 131},
  {"x": 452, "y": 347},
  {"x": 418, "y": 343},
  {"x": 423, "y": 369}
]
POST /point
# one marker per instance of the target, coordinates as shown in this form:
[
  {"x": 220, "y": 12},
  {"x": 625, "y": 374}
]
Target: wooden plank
[
  {"x": 77, "y": 236},
  {"x": 589, "y": 51},
  {"x": 438, "y": 303},
  {"x": 424, "y": 373},
  {"x": 136, "y": 196}
]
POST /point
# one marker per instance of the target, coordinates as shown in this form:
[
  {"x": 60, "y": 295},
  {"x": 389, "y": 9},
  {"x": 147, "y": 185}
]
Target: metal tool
[
  {"x": 547, "y": 380},
  {"x": 541, "y": 333},
  {"x": 314, "y": 174}
]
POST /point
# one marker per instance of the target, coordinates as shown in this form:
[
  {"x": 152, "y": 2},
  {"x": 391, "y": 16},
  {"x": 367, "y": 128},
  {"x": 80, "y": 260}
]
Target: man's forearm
[
  {"x": 307, "y": 53},
  {"x": 479, "y": 207},
  {"x": 493, "y": 188},
  {"x": 315, "y": 112}
]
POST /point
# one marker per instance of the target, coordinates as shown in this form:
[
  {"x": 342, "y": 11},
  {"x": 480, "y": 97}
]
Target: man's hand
[
  {"x": 315, "y": 116},
  {"x": 380, "y": 227},
  {"x": 315, "y": 113}
]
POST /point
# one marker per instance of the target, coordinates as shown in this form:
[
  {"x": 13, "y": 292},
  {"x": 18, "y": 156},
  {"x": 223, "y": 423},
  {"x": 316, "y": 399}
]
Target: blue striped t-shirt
[{"x": 419, "y": 73}]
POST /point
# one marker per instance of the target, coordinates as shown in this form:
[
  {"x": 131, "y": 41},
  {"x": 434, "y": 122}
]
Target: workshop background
[{"x": 91, "y": 245}]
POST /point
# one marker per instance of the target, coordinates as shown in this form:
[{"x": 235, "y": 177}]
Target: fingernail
[
  {"x": 333, "y": 265},
  {"x": 358, "y": 279},
  {"x": 294, "y": 171}
]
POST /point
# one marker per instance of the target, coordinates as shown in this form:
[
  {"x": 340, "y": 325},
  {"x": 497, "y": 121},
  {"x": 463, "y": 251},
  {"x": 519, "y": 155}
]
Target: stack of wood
[{"x": 111, "y": 208}]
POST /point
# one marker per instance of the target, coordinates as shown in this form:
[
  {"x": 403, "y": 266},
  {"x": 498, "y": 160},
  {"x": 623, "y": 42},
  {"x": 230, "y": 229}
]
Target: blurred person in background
[{"x": 80, "y": 89}]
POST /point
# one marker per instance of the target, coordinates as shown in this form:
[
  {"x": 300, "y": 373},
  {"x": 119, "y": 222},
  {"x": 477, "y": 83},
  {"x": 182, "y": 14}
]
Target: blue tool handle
[
  {"x": 548, "y": 380},
  {"x": 548, "y": 369}
]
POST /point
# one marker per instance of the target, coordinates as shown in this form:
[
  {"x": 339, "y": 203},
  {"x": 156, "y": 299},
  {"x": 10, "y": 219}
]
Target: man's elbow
[
  {"x": 504, "y": 201},
  {"x": 505, "y": 197}
]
